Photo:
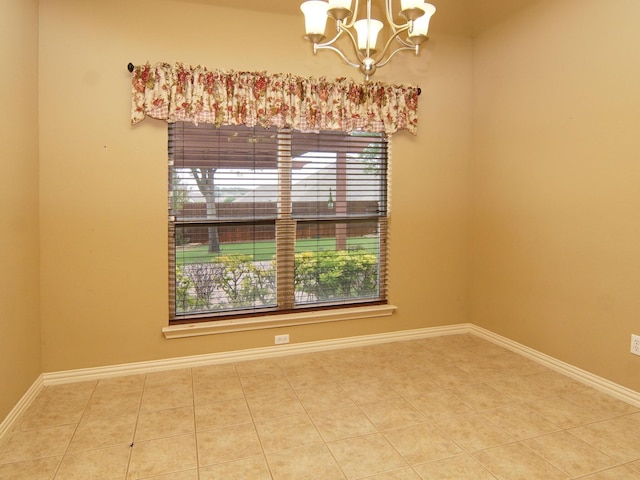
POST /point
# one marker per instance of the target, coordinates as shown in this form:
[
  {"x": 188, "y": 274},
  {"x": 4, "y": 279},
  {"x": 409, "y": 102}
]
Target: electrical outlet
[
  {"x": 635, "y": 344},
  {"x": 282, "y": 339}
]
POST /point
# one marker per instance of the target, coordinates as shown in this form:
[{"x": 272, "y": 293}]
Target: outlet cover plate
[
  {"x": 282, "y": 339},
  {"x": 635, "y": 344}
]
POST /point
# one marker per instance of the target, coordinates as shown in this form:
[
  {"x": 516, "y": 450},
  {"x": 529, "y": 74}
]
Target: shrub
[{"x": 336, "y": 274}]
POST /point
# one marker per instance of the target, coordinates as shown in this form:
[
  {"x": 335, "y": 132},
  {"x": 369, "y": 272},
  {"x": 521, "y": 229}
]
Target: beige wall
[
  {"x": 553, "y": 183},
  {"x": 103, "y": 182},
  {"x": 20, "y": 362},
  {"x": 556, "y": 198}
]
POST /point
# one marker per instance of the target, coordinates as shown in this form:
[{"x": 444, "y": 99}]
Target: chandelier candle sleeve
[
  {"x": 315, "y": 16},
  {"x": 367, "y": 34},
  {"x": 363, "y": 32},
  {"x": 421, "y": 24}
]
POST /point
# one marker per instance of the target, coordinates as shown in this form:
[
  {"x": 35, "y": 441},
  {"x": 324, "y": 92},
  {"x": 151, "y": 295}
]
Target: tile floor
[{"x": 453, "y": 407}]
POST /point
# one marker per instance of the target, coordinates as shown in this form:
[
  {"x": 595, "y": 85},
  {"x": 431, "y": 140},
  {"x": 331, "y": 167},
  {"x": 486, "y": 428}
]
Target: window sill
[{"x": 275, "y": 321}]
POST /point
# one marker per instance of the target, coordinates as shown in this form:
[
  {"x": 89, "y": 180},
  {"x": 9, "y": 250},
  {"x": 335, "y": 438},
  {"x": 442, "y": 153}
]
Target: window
[{"x": 270, "y": 221}]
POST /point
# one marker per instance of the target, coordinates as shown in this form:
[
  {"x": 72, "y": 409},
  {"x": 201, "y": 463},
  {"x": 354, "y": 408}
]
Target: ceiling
[{"x": 459, "y": 17}]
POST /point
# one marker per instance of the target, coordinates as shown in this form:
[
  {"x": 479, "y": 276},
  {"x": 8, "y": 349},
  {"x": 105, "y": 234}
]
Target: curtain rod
[{"x": 131, "y": 67}]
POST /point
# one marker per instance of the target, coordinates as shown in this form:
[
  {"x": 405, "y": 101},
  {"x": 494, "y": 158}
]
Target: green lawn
[{"x": 266, "y": 250}]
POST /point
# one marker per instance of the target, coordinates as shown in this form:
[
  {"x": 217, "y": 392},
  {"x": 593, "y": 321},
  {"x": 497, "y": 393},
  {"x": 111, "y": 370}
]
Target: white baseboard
[
  {"x": 21, "y": 407},
  {"x": 610, "y": 388},
  {"x": 86, "y": 374}
]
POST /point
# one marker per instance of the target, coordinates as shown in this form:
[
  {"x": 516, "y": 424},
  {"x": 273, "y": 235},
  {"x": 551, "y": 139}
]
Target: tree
[{"x": 204, "y": 178}]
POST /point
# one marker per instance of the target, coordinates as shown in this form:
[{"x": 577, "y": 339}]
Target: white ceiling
[{"x": 461, "y": 17}]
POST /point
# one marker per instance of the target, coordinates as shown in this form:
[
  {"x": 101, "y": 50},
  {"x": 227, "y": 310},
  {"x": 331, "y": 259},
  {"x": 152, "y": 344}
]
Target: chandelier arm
[
  {"x": 405, "y": 43},
  {"x": 353, "y": 17},
  {"x": 400, "y": 49},
  {"x": 389, "y": 14},
  {"x": 396, "y": 35},
  {"x": 339, "y": 52},
  {"x": 330, "y": 42}
]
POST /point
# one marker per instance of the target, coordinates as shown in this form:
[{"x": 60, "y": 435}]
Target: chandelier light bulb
[
  {"x": 421, "y": 24},
  {"x": 315, "y": 17},
  {"x": 340, "y": 4},
  {"x": 367, "y": 33}
]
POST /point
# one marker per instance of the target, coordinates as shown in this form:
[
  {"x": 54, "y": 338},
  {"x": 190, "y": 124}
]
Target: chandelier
[{"x": 410, "y": 34}]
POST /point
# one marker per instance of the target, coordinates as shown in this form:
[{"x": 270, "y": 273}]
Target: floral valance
[{"x": 183, "y": 93}]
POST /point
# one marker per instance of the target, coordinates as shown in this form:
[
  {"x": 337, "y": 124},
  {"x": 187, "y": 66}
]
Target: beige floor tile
[
  {"x": 252, "y": 468},
  {"x": 264, "y": 383},
  {"x": 618, "y": 437},
  {"x": 617, "y": 473},
  {"x": 342, "y": 423},
  {"x": 556, "y": 382},
  {"x": 165, "y": 423},
  {"x": 461, "y": 467},
  {"x": 635, "y": 466},
  {"x": 37, "y": 443},
  {"x": 473, "y": 431},
  {"x": 599, "y": 403},
  {"x": 441, "y": 404},
  {"x": 69, "y": 392},
  {"x": 127, "y": 383},
  {"x": 276, "y": 404},
  {"x": 214, "y": 390},
  {"x": 520, "y": 421},
  {"x": 302, "y": 360},
  {"x": 40, "y": 469},
  {"x": 51, "y": 412},
  {"x": 367, "y": 391},
  {"x": 227, "y": 444},
  {"x": 450, "y": 377},
  {"x": 113, "y": 404},
  {"x": 102, "y": 464},
  {"x": 481, "y": 368},
  {"x": 167, "y": 396},
  {"x": 422, "y": 443},
  {"x": 162, "y": 456},
  {"x": 222, "y": 414},
  {"x": 184, "y": 475},
  {"x": 300, "y": 378},
  {"x": 393, "y": 413},
  {"x": 287, "y": 432},
  {"x": 402, "y": 474},
  {"x": 324, "y": 397},
  {"x": 520, "y": 388},
  {"x": 390, "y": 366},
  {"x": 570, "y": 454},
  {"x": 350, "y": 372},
  {"x": 310, "y": 462},
  {"x": 166, "y": 378},
  {"x": 462, "y": 356},
  {"x": 366, "y": 456},
  {"x": 517, "y": 462},
  {"x": 481, "y": 396},
  {"x": 515, "y": 364},
  {"x": 562, "y": 412},
  {"x": 103, "y": 432},
  {"x": 209, "y": 373},
  {"x": 411, "y": 383},
  {"x": 258, "y": 367}
]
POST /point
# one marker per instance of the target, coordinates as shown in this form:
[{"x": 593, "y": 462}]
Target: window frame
[{"x": 277, "y": 315}]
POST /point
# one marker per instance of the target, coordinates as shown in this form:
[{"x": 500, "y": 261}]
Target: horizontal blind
[
  {"x": 341, "y": 175},
  {"x": 266, "y": 219},
  {"x": 233, "y": 169}
]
